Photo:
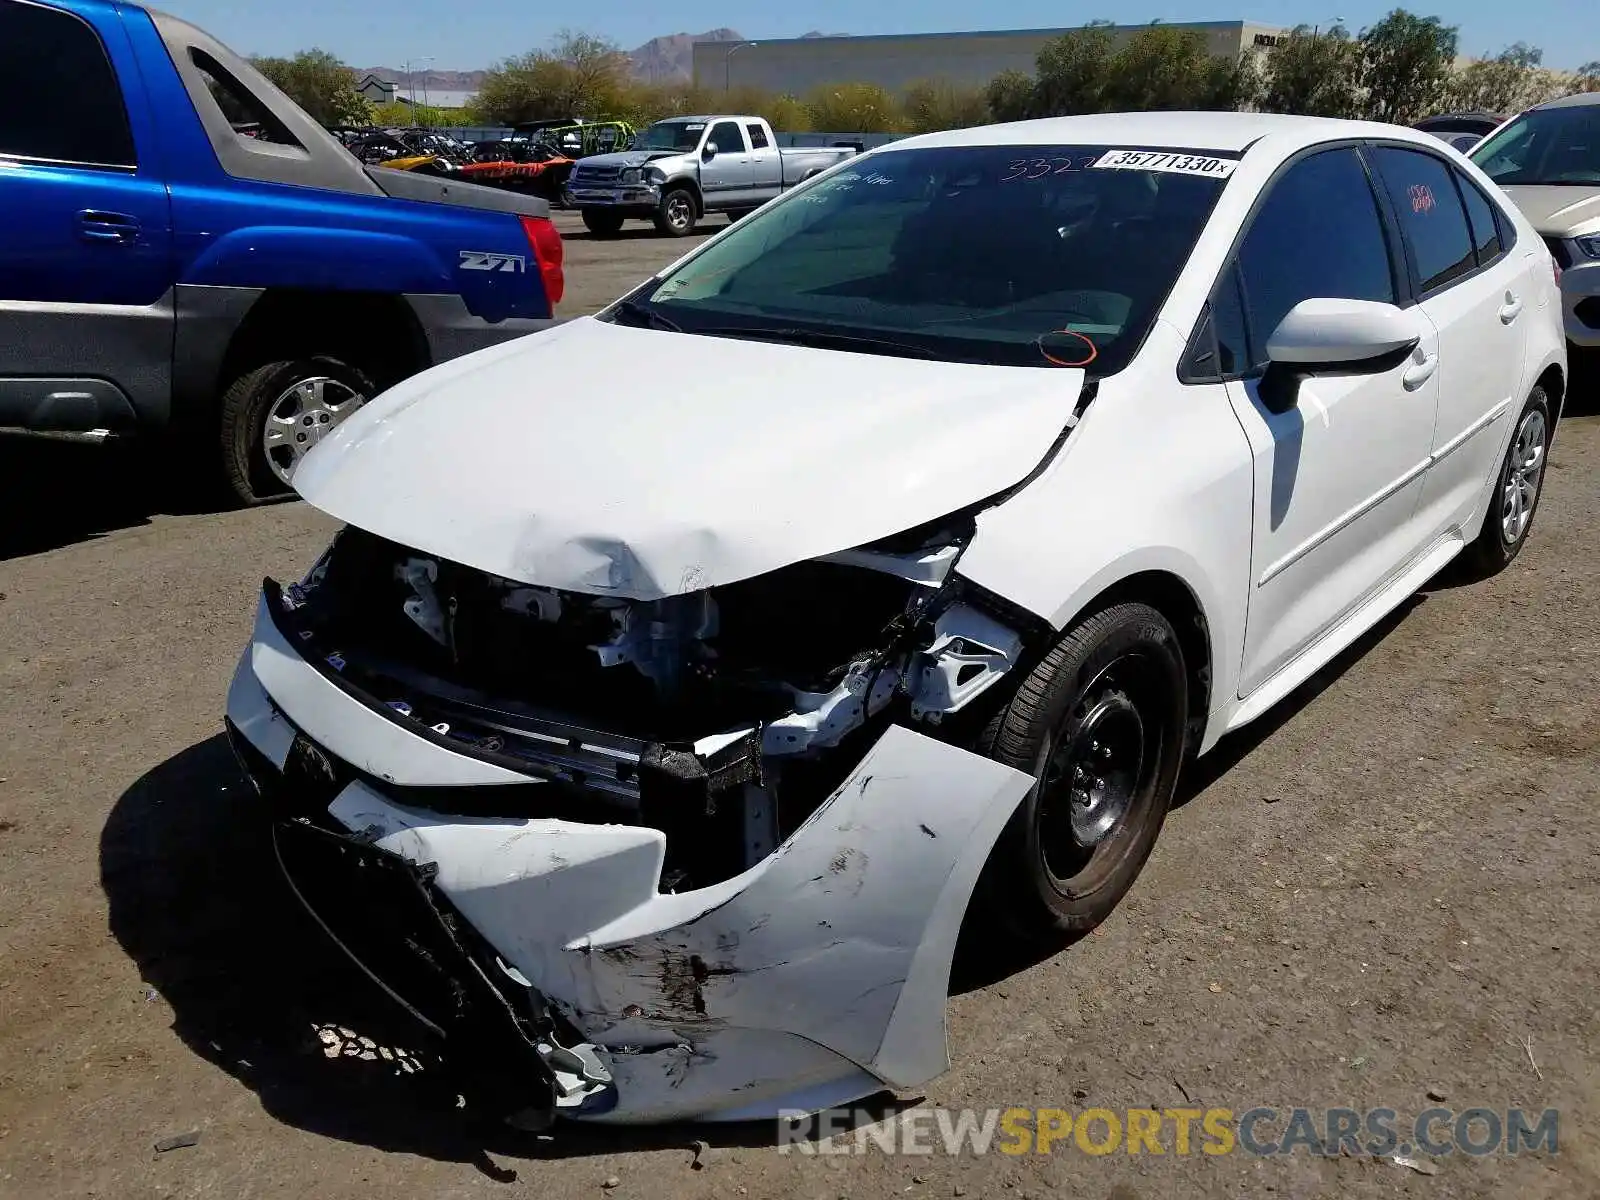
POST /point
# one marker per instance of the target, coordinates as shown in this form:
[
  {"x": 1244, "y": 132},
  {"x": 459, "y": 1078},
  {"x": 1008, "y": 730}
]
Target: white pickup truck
[{"x": 683, "y": 168}]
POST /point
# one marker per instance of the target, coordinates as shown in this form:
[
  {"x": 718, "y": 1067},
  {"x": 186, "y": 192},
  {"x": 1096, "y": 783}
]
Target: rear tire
[
  {"x": 1099, "y": 724},
  {"x": 602, "y": 222},
  {"x": 677, "y": 212},
  {"x": 322, "y": 391},
  {"x": 1518, "y": 486}
]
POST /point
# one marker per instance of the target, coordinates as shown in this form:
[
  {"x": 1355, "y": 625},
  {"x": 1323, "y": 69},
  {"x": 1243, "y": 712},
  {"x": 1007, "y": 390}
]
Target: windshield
[
  {"x": 1546, "y": 146},
  {"x": 1018, "y": 255},
  {"x": 671, "y": 135}
]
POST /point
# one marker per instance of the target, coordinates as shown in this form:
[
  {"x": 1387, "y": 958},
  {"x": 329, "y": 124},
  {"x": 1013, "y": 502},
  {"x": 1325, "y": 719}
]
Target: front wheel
[
  {"x": 1518, "y": 487},
  {"x": 1099, "y": 724},
  {"x": 676, "y": 213},
  {"x": 273, "y": 415},
  {"x": 602, "y": 222}
]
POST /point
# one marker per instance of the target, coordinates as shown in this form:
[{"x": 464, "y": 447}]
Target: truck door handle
[
  {"x": 1511, "y": 309},
  {"x": 97, "y": 226},
  {"x": 1419, "y": 372}
]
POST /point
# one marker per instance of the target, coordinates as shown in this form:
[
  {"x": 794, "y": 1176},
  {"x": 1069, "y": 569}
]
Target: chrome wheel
[
  {"x": 1524, "y": 473},
  {"x": 301, "y": 417},
  {"x": 680, "y": 212}
]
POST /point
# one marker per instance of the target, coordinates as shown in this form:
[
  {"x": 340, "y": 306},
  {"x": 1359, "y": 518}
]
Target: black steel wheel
[{"x": 1100, "y": 725}]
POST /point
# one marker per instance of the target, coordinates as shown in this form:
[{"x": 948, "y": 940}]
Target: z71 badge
[{"x": 482, "y": 260}]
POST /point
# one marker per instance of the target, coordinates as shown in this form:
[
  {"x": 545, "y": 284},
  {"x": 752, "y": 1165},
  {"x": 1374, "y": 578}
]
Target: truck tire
[
  {"x": 271, "y": 415},
  {"x": 602, "y": 222},
  {"x": 677, "y": 212}
]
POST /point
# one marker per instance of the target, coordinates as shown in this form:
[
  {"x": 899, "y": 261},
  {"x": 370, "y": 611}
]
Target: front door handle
[
  {"x": 1420, "y": 371},
  {"x": 1511, "y": 309},
  {"x": 97, "y": 226}
]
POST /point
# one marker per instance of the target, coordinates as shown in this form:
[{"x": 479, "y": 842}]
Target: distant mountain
[
  {"x": 667, "y": 59},
  {"x": 670, "y": 59},
  {"x": 434, "y": 81}
]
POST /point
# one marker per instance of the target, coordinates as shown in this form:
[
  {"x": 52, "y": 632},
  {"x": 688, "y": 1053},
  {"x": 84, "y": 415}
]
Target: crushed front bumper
[{"x": 816, "y": 977}]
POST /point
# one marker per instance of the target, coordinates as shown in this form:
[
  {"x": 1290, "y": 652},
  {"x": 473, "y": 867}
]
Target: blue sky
[{"x": 465, "y": 34}]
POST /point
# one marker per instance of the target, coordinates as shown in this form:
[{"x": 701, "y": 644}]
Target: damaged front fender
[{"x": 815, "y": 977}]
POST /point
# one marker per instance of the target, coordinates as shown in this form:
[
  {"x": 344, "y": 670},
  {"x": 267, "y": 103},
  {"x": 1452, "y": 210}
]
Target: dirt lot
[{"x": 1391, "y": 889}]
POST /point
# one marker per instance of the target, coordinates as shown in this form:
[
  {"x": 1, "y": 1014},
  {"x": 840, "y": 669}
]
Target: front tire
[
  {"x": 602, "y": 222},
  {"x": 273, "y": 415},
  {"x": 1099, "y": 724},
  {"x": 1518, "y": 487},
  {"x": 677, "y": 212}
]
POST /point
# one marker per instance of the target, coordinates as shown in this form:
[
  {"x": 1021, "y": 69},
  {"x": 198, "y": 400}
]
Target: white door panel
[
  {"x": 1338, "y": 478},
  {"x": 1339, "y": 472}
]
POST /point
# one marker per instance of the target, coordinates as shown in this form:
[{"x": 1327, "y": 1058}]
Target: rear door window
[
  {"x": 59, "y": 96},
  {"x": 1430, "y": 214}
]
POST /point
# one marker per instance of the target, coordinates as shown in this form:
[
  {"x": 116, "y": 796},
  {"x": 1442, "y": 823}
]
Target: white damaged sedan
[{"x": 685, "y": 677}]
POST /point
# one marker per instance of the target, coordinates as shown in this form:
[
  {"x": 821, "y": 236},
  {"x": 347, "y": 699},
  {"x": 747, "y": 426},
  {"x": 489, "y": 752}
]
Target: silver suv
[{"x": 1548, "y": 161}]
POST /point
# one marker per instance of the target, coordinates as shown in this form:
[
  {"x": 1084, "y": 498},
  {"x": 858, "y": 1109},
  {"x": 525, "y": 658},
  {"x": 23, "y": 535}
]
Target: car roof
[
  {"x": 1577, "y": 101},
  {"x": 1231, "y": 132}
]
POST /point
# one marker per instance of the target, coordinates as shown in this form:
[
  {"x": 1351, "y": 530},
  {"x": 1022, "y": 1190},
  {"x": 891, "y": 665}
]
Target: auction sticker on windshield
[{"x": 1174, "y": 163}]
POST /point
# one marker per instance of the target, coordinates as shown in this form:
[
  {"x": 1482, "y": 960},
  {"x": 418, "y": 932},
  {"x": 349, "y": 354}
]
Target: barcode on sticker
[{"x": 1174, "y": 163}]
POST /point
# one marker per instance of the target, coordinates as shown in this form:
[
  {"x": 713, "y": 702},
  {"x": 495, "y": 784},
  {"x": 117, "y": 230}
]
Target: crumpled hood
[
  {"x": 611, "y": 460},
  {"x": 628, "y": 158},
  {"x": 1558, "y": 211}
]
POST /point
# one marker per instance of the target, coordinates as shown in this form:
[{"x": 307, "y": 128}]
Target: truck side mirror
[{"x": 709, "y": 152}]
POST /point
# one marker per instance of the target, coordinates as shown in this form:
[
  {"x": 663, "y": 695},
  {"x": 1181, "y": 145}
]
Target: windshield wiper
[
  {"x": 822, "y": 340},
  {"x": 645, "y": 317}
]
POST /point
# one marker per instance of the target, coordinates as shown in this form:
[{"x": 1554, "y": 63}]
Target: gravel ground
[{"x": 1388, "y": 889}]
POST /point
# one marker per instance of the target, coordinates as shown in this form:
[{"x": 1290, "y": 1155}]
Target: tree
[
  {"x": 1509, "y": 82},
  {"x": 319, "y": 83},
  {"x": 580, "y": 75},
  {"x": 853, "y": 108},
  {"x": 1313, "y": 72},
  {"x": 931, "y": 105},
  {"x": 1010, "y": 96},
  {"x": 1073, "y": 72},
  {"x": 1405, "y": 66},
  {"x": 1163, "y": 67},
  {"x": 789, "y": 114}
]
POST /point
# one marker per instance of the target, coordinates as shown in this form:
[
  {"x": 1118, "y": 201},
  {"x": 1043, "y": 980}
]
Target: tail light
[
  {"x": 1555, "y": 268},
  {"x": 545, "y": 241}
]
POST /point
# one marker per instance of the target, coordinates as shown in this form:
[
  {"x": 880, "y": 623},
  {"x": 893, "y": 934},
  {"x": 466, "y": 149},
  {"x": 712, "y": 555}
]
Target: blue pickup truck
[{"x": 183, "y": 250}]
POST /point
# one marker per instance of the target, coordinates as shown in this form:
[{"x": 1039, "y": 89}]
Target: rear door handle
[
  {"x": 97, "y": 226},
  {"x": 1418, "y": 373},
  {"x": 1511, "y": 309}
]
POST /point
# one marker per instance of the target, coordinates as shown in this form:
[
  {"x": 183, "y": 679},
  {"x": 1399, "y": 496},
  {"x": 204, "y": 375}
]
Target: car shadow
[
  {"x": 196, "y": 900},
  {"x": 984, "y": 959},
  {"x": 641, "y": 231},
  {"x": 56, "y": 494}
]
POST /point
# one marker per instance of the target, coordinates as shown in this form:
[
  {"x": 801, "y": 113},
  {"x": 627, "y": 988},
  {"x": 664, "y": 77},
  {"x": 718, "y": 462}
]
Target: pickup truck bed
[{"x": 192, "y": 254}]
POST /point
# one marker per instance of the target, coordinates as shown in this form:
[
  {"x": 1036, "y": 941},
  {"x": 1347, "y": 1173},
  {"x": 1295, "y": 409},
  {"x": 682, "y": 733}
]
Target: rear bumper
[
  {"x": 816, "y": 977},
  {"x": 452, "y": 330}
]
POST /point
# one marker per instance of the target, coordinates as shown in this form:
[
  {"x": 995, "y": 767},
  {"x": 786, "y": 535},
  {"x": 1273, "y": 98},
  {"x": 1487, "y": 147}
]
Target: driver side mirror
[
  {"x": 709, "y": 152},
  {"x": 1324, "y": 336},
  {"x": 1343, "y": 336}
]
